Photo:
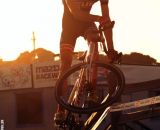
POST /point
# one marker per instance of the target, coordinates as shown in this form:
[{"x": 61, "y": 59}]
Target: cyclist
[{"x": 77, "y": 21}]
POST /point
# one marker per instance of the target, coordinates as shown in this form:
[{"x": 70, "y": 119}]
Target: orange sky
[{"x": 137, "y": 27}]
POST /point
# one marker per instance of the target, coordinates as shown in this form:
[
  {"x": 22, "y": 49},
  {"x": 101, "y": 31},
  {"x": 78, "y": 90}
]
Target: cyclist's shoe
[
  {"x": 114, "y": 56},
  {"x": 59, "y": 118}
]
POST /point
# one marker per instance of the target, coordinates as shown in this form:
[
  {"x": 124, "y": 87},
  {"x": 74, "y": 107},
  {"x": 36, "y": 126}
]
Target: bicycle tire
[{"x": 110, "y": 101}]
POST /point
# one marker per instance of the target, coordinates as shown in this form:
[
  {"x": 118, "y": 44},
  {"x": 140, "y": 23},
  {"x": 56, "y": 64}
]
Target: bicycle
[{"x": 81, "y": 80}]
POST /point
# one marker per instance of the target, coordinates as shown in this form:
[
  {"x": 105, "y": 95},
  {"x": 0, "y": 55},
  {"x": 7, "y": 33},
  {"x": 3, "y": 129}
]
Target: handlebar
[
  {"x": 101, "y": 38},
  {"x": 106, "y": 26}
]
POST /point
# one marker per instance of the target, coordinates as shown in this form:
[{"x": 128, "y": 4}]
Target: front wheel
[{"x": 74, "y": 87}]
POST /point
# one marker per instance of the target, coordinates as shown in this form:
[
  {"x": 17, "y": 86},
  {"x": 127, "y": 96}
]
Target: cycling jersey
[
  {"x": 72, "y": 28},
  {"x": 85, "y": 5}
]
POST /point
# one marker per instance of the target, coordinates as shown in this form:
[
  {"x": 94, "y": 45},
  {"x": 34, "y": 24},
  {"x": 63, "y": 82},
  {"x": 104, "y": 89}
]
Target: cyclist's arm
[
  {"x": 75, "y": 10},
  {"x": 105, "y": 9},
  {"x": 106, "y": 17}
]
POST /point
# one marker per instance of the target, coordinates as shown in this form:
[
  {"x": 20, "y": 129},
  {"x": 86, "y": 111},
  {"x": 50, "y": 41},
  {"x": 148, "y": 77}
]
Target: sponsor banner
[
  {"x": 45, "y": 74},
  {"x": 15, "y": 77}
]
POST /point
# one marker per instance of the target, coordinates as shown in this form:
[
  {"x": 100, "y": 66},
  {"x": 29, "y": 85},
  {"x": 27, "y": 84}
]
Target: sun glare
[{"x": 135, "y": 29}]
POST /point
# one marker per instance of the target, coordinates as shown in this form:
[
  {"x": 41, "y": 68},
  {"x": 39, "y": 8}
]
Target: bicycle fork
[{"x": 91, "y": 73}]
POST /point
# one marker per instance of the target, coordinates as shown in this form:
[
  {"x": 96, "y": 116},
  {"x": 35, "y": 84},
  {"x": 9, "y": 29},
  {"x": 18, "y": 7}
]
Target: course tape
[
  {"x": 122, "y": 107},
  {"x": 135, "y": 104}
]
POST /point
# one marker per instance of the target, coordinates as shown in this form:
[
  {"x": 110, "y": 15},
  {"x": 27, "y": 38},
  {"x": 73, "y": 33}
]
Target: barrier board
[
  {"x": 45, "y": 74},
  {"x": 15, "y": 77}
]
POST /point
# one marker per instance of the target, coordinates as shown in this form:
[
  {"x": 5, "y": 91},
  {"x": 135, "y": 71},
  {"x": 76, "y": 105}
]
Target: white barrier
[
  {"x": 15, "y": 77},
  {"x": 45, "y": 74}
]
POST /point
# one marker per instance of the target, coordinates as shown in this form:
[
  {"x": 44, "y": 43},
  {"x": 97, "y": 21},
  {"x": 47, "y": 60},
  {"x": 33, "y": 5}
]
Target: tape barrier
[
  {"x": 99, "y": 121},
  {"x": 135, "y": 104},
  {"x": 124, "y": 106}
]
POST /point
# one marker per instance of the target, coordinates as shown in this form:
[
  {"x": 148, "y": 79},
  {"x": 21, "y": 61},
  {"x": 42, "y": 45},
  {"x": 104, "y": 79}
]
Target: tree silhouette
[
  {"x": 45, "y": 56},
  {"x": 24, "y": 58},
  {"x": 29, "y": 57},
  {"x": 138, "y": 58}
]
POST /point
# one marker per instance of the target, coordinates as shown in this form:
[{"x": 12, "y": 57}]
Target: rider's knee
[{"x": 66, "y": 53}]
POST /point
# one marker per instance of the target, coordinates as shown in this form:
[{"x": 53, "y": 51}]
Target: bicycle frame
[
  {"x": 93, "y": 56},
  {"x": 91, "y": 71}
]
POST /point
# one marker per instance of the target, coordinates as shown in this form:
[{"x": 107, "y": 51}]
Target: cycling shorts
[{"x": 73, "y": 28}]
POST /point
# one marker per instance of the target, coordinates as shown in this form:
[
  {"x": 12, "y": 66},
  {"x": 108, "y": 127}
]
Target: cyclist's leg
[
  {"x": 66, "y": 53},
  {"x": 109, "y": 36},
  {"x": 112, "y": 53},
  {"x": 108, "y": 32},
  {"x": 69, "y": 35},
  {"x": 67, "y": 44}
]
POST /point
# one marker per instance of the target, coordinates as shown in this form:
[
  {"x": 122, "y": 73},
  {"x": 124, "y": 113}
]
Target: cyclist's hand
[{"x": 103, "y": 21}]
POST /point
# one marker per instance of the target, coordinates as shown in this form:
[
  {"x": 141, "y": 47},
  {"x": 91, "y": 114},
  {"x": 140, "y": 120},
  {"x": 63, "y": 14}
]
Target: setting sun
[{"x": 136, "y": 28}]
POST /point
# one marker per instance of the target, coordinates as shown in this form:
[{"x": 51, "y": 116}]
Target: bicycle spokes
[{"x": 86, "y": 90}]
